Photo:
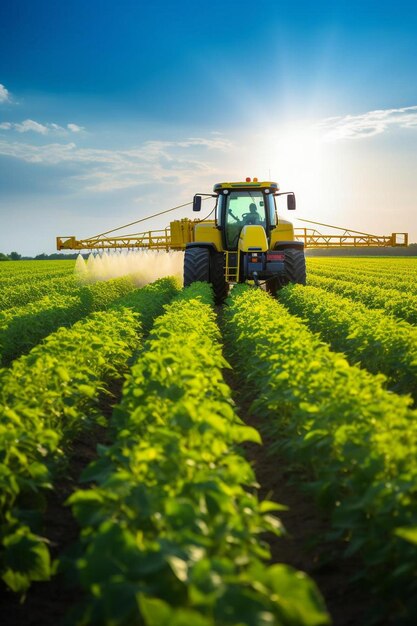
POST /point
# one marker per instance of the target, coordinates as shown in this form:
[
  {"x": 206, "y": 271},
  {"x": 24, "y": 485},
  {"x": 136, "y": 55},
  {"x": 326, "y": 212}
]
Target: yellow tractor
[{"x": 245, "y": 241}]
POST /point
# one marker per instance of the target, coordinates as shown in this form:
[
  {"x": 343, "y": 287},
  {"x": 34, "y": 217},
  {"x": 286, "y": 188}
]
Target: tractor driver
[{"x": 253, "y": 216}]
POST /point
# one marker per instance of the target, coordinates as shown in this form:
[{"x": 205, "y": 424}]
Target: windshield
[{"x": 243, "y": 208}]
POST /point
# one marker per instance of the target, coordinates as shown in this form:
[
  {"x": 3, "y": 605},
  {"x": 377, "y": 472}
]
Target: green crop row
[
  {"x": 26, "y": 292},
  {"x": 21, "y": 328},
  {"x": 358, "y": 441},
  {"x": 397, "y": 283},
  {"x": 401, "y": 305},
  {"x": 172, "y": 533},
  {"x": 23, "y": 267},
  {"x": 47, "y": 397},
  {"x": 404, "y": 262},
  {"x": 12, "y": 280},
  {"x": 14, "y": 273},
  {"x": 378, "y": 341},
  {"x": 399, "y": 269}
]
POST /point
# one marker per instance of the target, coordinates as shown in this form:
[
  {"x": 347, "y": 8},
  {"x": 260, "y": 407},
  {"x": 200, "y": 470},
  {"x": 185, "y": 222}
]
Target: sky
[{"x": 111, "y": 112}]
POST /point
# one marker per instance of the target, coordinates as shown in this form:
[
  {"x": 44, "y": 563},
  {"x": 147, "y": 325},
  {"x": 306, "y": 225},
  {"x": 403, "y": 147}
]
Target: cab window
[{"x": 243, "y": 208}]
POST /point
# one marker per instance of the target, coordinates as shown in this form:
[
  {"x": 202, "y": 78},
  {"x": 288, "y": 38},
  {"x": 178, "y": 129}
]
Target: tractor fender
[
  {"x": 203, "y": 244},
  {"x": 283, "y": 245}
]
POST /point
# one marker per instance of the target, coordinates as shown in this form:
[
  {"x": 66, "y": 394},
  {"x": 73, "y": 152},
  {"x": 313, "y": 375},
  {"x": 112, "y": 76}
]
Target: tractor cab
[
  {"x": 248, "y": 203},
  {"x": 240, "y": 208}
]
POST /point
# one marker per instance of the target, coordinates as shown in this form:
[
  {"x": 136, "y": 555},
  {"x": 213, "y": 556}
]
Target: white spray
[{"x": 145, "y": 265}]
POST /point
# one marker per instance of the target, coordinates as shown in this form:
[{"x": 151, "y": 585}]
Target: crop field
[{"x": 168, "y": 462}]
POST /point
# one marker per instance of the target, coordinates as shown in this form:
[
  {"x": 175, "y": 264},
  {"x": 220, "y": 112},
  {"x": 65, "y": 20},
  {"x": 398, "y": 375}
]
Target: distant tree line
[
  {"x": 13, "y": 256},
  {"x": 56, "y": 256}
]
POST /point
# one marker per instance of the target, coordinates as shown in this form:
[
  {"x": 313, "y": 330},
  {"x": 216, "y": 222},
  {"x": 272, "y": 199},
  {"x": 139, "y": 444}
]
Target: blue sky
[{"x": 110, "y": 112}]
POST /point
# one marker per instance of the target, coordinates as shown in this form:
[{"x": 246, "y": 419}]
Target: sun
[{"x": 294, "y": 156}]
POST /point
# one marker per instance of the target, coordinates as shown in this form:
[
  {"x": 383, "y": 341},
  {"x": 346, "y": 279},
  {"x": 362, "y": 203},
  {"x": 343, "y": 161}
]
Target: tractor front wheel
[{"x": 196, "y": 265}]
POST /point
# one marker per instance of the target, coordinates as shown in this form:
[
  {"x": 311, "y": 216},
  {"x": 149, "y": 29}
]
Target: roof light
[
  {"x": 248, "y": 179},
  {"x": 255, "y": 180}
]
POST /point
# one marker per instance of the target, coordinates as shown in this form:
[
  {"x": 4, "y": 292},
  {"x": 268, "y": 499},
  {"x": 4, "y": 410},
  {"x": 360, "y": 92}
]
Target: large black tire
[
  {"x": 196, "y": 265},
  {"x": 295, "y": 266},
  {"x": 217, "y": 277}
]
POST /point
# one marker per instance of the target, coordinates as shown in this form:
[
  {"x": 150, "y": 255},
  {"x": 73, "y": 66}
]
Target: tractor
[{"x": 246, "y": 241}]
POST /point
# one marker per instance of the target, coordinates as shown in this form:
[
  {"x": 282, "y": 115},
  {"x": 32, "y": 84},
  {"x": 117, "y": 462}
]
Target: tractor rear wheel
[
  {"x": 295, "y": 266},
  {"x": 217, "y": 277},
  {"x": 196, "y": 265}
]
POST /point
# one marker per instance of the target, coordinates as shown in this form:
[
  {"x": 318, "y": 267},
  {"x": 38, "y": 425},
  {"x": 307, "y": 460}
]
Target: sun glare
[{"x": 295, "y": 157}]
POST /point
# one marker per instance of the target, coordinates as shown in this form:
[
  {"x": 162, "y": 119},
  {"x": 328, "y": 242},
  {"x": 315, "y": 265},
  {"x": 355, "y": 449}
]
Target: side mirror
[
  {"x": 291, "y": 202},
  {"x": 197, "y": 203}
]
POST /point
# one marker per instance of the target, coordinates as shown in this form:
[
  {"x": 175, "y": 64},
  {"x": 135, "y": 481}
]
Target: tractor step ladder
[{"x": 232, "y": 266}]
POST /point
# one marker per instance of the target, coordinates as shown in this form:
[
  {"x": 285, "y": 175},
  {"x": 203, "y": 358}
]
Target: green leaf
[
  {"x": 297, "y": 597},
  {"x": 155, "y": 612},
  {"x": 87, "y": 390},
  {"x": 246, "y": 433},
  {"x": 266, "y": 505},
  {"x": 26, "y": 558},
  {"x": 407, "y": 533}
]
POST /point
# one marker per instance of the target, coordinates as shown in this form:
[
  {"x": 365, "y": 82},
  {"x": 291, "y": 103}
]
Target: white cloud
[
  {"x": 4, "y": 94},
  {"x": 106, "y": 170},
  {"x": 42, "y": 129},
  {"x": 368, "y": 124},
  {"x": 74, "y": 128},
  {"x": 31, "y": 125}
]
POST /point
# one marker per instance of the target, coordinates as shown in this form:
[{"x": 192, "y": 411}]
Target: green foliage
[
  {"x": 378, "y": 341},
  {"x": 396, "y": 303},
  {"x": 173, "y": 532},
  {"x": 399, "y": 280},
  {"x": 31, "y": 290},
  {"x": 358, "y": 440},
  {"x": 100, "y": 295},
  {"x": 46, "y": 398},
  {"x": 149, "y": 300},
  {"x": 21, "y": 328},
  {"x": 25, "y": 556}
]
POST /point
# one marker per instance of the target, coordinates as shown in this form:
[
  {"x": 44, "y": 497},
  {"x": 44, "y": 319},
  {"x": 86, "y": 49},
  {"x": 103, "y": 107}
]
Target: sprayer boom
[
  {"x": 149, "y": 240},
  {"x": 181, "y": 232}
]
